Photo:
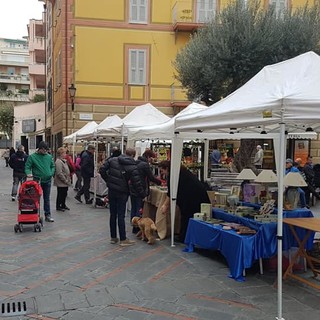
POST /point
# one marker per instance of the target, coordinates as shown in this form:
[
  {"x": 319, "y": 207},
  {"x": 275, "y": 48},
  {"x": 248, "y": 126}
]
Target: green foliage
[
  {"x": 6, "y": 120},
  {"x": 3, "y": 87},
  {"x": 238, "y": 43},
  {"x": 39, "y": 98},
  {"x": 24, "y": 91}
]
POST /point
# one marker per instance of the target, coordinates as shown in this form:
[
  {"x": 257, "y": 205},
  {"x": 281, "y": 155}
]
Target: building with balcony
[
  {"x": 119, "y": 54},
  {"x": 37, "y": 62},
  {"x": 14, "y": 72}
]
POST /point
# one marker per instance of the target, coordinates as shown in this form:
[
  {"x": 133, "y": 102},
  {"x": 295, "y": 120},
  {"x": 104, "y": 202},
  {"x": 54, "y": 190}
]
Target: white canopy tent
[
  {"x": 163, "y": 130},
  {"x": 82, "y": 132},
  {"x": 281, "y": 97},
  {"x": 108, "y": 127},
  {"x": 114, "y": 126}
]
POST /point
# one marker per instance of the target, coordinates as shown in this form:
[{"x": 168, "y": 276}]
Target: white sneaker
[
  {"x": 13, "y": 198},
  {"x": 126, "y": 243}
]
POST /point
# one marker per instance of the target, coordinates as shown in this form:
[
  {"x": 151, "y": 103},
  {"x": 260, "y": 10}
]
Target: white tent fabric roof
[
  {"x": 163, "y": 130},
  {"x": 108, "y": 127},
  {"x": 143, "y": 115},
  {"x": 288, "y": 89},
  {"x": 81, "y": 133}
]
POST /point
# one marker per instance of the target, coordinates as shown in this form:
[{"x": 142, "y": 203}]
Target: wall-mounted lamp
[{"x": 72, "y": 93}]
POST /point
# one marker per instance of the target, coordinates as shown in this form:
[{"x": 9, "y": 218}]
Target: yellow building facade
[{"x": 118, "y": 54}]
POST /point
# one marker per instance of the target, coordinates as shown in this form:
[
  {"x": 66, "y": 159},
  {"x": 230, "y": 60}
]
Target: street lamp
[{"x": 72, "y": 93}]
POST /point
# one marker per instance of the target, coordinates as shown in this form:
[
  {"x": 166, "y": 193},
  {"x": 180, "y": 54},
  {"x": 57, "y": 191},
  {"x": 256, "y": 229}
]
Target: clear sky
[{"x": 15, "y": 15}]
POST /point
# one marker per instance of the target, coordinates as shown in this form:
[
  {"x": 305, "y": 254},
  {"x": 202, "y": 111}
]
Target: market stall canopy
[
  {"x": 163, "y": 130},
  {"x": 288, "y": 90},
  {"x": 144, "y": 115},
  {"x": 285, "y": 96},
  {"x": 109, "y": 126},
  {"x": 81, "y": 133}
]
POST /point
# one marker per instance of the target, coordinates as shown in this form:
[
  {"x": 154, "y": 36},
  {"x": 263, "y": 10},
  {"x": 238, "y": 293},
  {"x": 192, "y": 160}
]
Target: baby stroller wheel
[
  {"x": 37, "y": 227},
  {"x": 16, "y": 228},
  {"x": 20, "y": 227}
]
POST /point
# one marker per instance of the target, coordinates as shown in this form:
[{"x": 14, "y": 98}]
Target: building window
[
  {"x": 137, "y": 66},
  {"x": 206, "y": 10},
  {"x": 138, "y": 11}
]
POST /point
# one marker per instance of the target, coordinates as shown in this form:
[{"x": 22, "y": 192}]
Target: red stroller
[{"x": 29, "y": 206}]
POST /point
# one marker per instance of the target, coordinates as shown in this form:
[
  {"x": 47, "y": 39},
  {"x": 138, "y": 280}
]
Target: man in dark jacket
[
  {"x": 146, "y": 176},
  {"x": 87, "y": 172},
  {"x": 122, "y": 177},
  {"x": 17, "y": 162}
]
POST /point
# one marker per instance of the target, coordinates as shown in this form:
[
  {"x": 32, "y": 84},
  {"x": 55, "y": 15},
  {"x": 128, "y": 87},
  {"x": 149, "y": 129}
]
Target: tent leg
[{"x": 282, "y": 155}]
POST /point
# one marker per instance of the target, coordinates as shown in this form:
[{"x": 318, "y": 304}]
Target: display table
[
  {"x": 241, "y": 251},
  {"x": 237, "y": 249},
  {"x": 311, "y": 225},
  {"x": 151, "y": 209}
]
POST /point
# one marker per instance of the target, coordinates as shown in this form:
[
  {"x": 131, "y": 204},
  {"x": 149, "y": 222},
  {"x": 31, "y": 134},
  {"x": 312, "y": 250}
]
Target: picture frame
[{"x": 235, "y": 190}]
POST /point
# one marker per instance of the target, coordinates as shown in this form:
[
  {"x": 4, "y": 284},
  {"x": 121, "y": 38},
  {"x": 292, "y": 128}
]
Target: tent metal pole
[{"x": 282, "y": 154}]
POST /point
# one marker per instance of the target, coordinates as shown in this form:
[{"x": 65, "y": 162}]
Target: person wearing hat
[
  {"x": 258, "y": 158},
  {"x": 87, "y": 172},
  {"x": 41, "y": 166}
]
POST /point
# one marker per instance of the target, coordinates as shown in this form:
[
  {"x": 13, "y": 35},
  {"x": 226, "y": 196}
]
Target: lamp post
[{"x": 72, "y": 93}]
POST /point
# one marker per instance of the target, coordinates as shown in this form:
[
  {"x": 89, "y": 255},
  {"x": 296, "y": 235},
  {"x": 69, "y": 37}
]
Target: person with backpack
[
  {"x": 17, "y": 162},
  {"x": 123, "y": 179}
]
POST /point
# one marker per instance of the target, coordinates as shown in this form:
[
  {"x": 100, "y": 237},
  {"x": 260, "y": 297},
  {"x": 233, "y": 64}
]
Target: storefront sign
[
  {"x": 28, "y": 125},
  {"x": 85, "y": 116}
]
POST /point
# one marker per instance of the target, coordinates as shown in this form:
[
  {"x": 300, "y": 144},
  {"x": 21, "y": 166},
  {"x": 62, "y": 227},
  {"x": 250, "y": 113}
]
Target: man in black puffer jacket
[
  {"x": 123, "y": 179},
  {"x": 17, "y": 162},
  {"x": 146, "y": 176}
]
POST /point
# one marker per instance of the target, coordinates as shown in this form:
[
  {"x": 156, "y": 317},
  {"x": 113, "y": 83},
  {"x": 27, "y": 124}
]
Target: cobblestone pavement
[{"x": 71, "y": 271}]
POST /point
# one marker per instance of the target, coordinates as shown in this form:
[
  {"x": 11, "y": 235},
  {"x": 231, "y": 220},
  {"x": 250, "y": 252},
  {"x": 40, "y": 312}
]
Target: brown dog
[{"x": 146, "y": 226}]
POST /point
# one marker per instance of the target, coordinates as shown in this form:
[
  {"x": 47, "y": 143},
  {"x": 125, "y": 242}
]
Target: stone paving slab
[{"x": 71, "y": 271}]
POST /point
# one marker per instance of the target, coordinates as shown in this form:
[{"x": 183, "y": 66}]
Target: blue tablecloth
[
  {"x": 237, "y": 249},
  {"x": 241, "y": 250}
]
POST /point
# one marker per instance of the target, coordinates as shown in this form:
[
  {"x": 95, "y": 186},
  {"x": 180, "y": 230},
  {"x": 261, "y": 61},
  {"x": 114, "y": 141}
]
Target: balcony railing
[
  {"x": 7, "y": 96},
  {"x": 14, "y": 78}
]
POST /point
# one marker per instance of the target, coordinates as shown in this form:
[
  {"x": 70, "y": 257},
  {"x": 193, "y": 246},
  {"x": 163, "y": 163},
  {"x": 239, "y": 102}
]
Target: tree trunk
[{"x": 243, "y": 157}]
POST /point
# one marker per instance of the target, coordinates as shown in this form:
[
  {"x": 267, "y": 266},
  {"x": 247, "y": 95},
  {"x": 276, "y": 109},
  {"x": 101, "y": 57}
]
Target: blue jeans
[
  {"x": 46, "y": 188},
  {"x": 303, "y": 201},
  {"x": 17, "y": 178},
  {"x": 136, "y": 205},
  {"x": 118, "y": 204}
]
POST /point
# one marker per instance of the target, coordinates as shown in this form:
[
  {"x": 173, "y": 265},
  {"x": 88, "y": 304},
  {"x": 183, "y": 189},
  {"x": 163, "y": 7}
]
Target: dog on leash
[{"x": 146, "y": 226}]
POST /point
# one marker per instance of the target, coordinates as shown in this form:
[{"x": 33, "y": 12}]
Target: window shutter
[
  {"x": 133, "y": 63},
  {"x": 137, "y": 66}
]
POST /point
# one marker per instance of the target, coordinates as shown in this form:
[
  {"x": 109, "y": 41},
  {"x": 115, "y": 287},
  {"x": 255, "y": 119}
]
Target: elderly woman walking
[{"x": 62, "y": 179}]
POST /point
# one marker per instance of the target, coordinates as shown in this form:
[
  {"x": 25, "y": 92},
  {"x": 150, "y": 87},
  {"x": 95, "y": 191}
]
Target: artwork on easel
[{"x": 235, "y": 190}]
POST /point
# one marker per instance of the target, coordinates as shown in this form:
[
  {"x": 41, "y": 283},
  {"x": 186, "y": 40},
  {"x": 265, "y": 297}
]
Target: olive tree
[{"x": 237, "y": 44}]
